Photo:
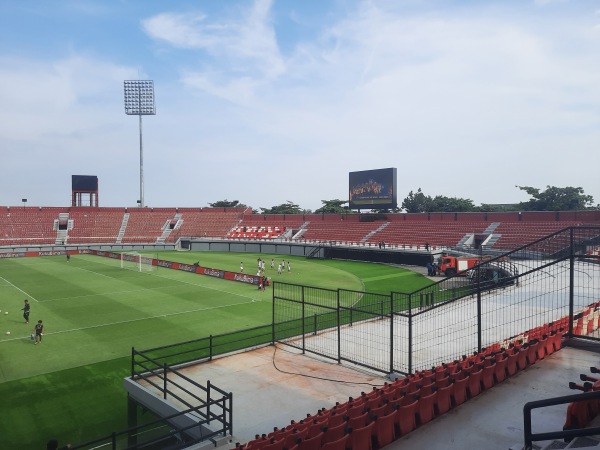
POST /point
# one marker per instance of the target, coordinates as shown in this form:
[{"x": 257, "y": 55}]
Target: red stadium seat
[
  {"x": 474, "y": 383},
  {"x": 459, "y": 391},
  {"x": 339, "y": 444},
  {"x": 487, "y": 378},
  {"x": 512, "y": 366},
  {"x": 501, "y": 365},
  {"x": 406, "y": 418},
  {"x": 334, "y": 433},
  {"x": 444, "y": 399},
  {"x": 384, "y": 429},
  {"x": 311, "y": 443},
  {"x": 426, "y": 409},
  {"x": 360, "y": 438}
]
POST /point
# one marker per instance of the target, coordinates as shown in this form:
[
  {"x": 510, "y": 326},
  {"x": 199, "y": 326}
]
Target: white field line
[
  {"x": 131, "y": 321},
  {"x": 21, "y": 290},
  {"x": 110, "y": 293},
  {"x": 155, "y": 274}
]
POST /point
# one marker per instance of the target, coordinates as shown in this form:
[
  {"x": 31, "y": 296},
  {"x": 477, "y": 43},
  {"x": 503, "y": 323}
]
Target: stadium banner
[
  {"x": 187, "y": 268},
  {"x": 29, "y": 254},
  {"x": 15, "y": 254},
  {"x": 210, "y": 272},
  {"x": 191, "y": 268},
  {"x": 242, "y": 277}
]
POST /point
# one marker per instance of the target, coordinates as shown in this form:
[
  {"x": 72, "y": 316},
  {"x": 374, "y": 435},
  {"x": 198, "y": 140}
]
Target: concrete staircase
[
  {"x": 167, "y": 229},
  {"x": 589, "y": 442},
  {"x": 492, "y": 237},
  {"x": 122, "y": 229},
  {"x": 382, "y": 227},
  {"x": 489, "y": 231},
  {"x": 298, "y": 234},
  {"x": 61, "y": 235}
]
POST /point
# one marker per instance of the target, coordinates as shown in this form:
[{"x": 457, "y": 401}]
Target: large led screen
[
  {"x": 81, "y": 183},
  {"x": 373, "y": 189}
]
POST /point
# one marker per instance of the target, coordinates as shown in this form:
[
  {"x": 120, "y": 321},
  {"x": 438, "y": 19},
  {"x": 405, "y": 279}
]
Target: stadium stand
[
  {"x": 28, "y": 225},
  {"x": 408, "y": 403},
  {"x": 501, "y": 231},
  {"x": 255, "y": 226},
  {"x": 94, "y": 225},
  {"x": 362, "y": 423},
  {"x": 148, "y": 225},
  {"x": 342, "y": 232},
  {"x": 435, "y": 234},
  {"x": 205, "y": 222}
]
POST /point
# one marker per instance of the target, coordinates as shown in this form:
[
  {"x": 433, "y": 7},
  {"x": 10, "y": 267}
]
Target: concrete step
[{"x": 590, "y": 442}]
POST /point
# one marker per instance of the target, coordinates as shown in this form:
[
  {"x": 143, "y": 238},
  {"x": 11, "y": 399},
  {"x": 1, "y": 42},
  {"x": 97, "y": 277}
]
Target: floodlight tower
[{"x": 139, "y": 101}]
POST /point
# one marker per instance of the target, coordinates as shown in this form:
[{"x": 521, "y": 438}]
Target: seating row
[
  {"x": 581, "y": 413},
  {"x": 394, "y": 409},
  {"x": 388, "y": 412}
]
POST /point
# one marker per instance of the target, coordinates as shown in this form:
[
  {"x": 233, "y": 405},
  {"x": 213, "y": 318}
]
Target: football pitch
[{"x": 70, "y": 386}]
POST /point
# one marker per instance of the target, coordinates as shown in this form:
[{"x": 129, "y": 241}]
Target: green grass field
[{"x": 94, "y": 312}]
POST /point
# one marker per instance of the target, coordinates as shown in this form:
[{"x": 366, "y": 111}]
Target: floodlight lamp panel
[{"x": 139, "y": 97}]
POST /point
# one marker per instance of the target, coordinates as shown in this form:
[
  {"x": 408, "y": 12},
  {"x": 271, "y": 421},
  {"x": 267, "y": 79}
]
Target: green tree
[
  {"x": 333, "y": 207},
  {"x": 416, "y": 203},
  {"x": 285, "y": 208},
  {"x": 556, "y": 199},
  {"x": 227, "y": 204},
  {"x": 441, "y": 203},
  {"x": 386, "y": 210},
  {"x": 485, "y": 207}
]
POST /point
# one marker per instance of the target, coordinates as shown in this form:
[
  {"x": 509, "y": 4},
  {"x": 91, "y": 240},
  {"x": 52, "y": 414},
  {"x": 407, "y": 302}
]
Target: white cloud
[
  {"x": 459, "y": 97},
  {"x": 465, "y": 103},
  {"x": 244, "y": 45},
  {"x": 54, "y": 94},
  {"x": 549, "y": 2},
  {"x": 182, "y": 30}
]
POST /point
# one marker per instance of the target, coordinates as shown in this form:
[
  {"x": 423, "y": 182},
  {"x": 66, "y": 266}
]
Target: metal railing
[
  {"x": 157, "y": 434},
  {"x": 530, "y": 437},
  {"x": 173, "y": 384},
  {"x": 496, "y": 300},
  {"x": 406, "y": 332}
]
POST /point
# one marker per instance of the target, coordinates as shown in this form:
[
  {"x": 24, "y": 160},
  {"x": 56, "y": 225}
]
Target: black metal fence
[
  {"x": 552, "y": 280},
  {"x": 549, "y": 280}
]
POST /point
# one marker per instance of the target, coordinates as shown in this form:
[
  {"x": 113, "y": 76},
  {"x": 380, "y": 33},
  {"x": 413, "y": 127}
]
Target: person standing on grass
[
  {"x": 39, "y": 332},
  {"x": 26, "y": 308},
  {"x": 241, "y": 267}
]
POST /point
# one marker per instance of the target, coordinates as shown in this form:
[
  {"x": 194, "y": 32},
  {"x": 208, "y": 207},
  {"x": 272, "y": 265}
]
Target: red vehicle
[
  {"x": 594, "y": 254},
  {"x": 452, "y": 265}
]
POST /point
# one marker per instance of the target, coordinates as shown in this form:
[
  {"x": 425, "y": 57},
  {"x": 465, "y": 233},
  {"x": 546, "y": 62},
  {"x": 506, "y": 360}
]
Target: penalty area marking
[
  {"x": 130, "y": 291},
  {"x": 168, "y": 278},
  {"x": 391, "y": 275},
  {"x": 158, "y": 316},
  {"x": 19, "y": 289}
]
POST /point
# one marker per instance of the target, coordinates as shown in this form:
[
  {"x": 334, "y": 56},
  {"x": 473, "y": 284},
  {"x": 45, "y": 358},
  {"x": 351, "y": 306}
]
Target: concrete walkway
[{"x": 273, "y": 385}]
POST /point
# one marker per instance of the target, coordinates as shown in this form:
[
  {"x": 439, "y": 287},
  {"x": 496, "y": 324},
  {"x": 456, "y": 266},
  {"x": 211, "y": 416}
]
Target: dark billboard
[
  {"x": 80, "y": 183},
  {"x": 373, "y": 189}
]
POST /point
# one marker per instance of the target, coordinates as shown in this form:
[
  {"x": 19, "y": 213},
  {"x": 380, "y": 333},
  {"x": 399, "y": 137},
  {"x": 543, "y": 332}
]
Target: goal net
[{"x": 137, "y": 262}]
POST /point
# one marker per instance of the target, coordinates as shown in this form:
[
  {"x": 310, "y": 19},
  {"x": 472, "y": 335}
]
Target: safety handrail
[{"x": 565, "y": 434}]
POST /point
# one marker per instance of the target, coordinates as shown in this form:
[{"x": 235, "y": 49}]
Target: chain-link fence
[{"x": 550, "y": 280}]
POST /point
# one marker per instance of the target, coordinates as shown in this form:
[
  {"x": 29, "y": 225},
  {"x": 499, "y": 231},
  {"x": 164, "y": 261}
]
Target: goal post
[{"x": 136, "y": 261}]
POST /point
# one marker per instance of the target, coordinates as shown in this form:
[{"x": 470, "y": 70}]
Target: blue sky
[{"x": 270, "y": 101}]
